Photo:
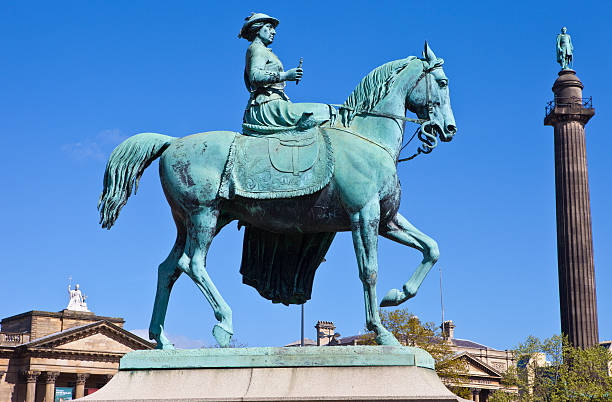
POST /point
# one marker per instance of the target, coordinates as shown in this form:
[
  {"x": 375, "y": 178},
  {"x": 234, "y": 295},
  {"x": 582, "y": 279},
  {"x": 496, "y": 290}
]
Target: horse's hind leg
[
  {"x": 202, "y": 228},
  {"x": 400, "y": 230},
  {"x": 364, "y": 226},
  {"x": 167, "y": 273}
]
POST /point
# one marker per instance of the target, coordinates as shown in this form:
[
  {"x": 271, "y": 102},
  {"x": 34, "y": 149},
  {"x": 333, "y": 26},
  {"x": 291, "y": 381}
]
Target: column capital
[
  {"x": 30, "y": 375},
  {"x": 81, "y": 378},
  {"x": 559, "y": 115},
  {"x": 51, "y": 376}
]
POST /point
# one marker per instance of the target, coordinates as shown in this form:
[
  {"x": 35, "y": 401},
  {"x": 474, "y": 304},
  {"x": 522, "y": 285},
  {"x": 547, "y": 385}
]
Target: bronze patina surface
[{"x": 300, "y": 177}]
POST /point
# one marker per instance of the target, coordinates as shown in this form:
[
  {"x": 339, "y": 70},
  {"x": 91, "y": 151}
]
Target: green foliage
[
  {"x": 410, "y": 331},
  {"x": 553, "y": 370}
]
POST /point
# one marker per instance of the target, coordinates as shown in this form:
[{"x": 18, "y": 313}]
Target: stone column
[
  {"x": 569, "y": 115},
  {"x": 80, "y": 385},
  {"x": 30, "y": 377},
  {"x": 108, "y": 377},
  {"x": 50, "y": 377},
  {"x": 476, "y": 394}
]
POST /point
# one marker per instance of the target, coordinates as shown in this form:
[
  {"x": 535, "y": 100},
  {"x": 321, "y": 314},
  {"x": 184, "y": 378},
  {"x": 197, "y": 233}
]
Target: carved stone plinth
[{"x": 349, "y": 373}]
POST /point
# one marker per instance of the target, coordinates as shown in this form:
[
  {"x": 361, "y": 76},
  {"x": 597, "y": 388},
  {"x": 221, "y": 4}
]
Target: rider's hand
[{"x": 295, "y": 74}]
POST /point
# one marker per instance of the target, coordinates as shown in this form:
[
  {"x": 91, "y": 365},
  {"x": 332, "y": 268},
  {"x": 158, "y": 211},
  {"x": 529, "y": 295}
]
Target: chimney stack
[
  {"x": 325, "y": 332},
  {"x": 448, "y": 329}
]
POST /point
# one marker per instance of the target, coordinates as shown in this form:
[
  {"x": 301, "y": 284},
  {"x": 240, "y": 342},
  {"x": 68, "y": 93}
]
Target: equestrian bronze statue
[{"x": 299, "y": 173}]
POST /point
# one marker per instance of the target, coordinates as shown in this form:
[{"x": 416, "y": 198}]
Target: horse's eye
[{"x": 443, "y": 83}]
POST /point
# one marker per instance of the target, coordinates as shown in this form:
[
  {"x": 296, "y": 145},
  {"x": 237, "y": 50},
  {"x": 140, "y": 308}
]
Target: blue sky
[{"x": 77, "y": 78}]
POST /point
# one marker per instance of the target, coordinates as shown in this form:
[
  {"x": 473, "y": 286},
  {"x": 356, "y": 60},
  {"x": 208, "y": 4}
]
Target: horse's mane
[{"x": 375, "y": 86}]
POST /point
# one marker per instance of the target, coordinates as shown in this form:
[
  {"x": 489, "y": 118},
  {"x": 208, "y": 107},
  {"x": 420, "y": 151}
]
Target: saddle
[{"x": 281, "y": 164}]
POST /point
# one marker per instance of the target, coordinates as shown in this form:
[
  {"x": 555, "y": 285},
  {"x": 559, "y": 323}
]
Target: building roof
[
  {"x": 307, "y": 342},
  {"x": 349, "y": 340},
  {"x": 62, "y": 314},
  {"x": 465, "y": 343}
]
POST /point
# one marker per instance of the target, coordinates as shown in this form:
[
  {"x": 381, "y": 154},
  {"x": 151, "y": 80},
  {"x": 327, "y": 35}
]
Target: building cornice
[
  {"x": 63, "y": 314},
  {"x": 70, "y": 335},
  {"x": 69, "y": 354}
]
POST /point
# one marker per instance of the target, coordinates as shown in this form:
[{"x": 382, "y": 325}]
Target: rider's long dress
[
  {"x": 268, "y": 104},
  {"x": 280, "y": 266}
]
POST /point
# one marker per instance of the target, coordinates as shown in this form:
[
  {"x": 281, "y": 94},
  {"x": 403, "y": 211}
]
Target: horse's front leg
[
  {"x": 364, "y": 225},
  {"x": 400, "y": 230}
]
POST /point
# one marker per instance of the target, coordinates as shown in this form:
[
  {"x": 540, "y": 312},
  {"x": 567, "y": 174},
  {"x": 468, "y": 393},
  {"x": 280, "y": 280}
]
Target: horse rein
[{"x": 429, "y": 141}]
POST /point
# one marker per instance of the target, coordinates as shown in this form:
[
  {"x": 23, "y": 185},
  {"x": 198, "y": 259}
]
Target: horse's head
[{"x": 428, "y": 97}]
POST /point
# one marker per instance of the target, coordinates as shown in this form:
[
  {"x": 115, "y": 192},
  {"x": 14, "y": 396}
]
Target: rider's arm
[{"x": 258, "y": 75}]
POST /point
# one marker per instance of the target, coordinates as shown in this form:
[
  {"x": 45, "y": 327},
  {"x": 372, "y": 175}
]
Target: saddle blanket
[{"x": 280, "y": 165}]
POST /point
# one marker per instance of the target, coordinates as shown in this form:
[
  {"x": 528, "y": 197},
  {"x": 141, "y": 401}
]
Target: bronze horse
[{"x": 362, "y": 196}]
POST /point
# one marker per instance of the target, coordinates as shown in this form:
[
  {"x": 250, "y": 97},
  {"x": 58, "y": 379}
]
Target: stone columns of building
[
  {"x": 569, "y": 115},
  {"x": 476, "y": 394},
  {"x": 30, "y": 377},
  {"x": 50, "y": 377},
  {"x": 80, "y": 385}
]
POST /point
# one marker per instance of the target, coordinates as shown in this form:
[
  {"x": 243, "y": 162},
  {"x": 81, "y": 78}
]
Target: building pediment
[
  {"x": 477, "y": 367},
  {"x": 101, "y": 336}
]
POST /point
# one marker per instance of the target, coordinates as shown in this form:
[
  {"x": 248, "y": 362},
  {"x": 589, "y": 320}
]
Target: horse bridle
[{"x": 428, "y": 140}]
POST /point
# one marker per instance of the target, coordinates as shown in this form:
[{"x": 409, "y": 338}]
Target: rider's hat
[{"x": 254, "y": 18}]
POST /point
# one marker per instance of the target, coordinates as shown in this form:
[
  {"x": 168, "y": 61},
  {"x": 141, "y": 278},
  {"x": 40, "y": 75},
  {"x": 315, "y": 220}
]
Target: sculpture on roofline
[
  {"x": 293, "y": 182},
  {"x": 77, "y": 299}
]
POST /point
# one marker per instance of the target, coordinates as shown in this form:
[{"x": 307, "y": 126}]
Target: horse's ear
[{"x": 428, "y": 54}]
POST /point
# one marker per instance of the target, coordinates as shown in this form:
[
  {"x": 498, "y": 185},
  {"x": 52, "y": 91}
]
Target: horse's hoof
[
  {"x": 392, "y": 298},
  {"x": 163, "y": 343},
  {"x": 387, "y": 339},
  {"x": 222, "y": 336}
]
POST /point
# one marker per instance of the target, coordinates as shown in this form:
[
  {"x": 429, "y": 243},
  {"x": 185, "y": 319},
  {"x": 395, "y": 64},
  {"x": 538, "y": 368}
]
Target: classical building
[
  {"x": 485, "y": 365},
  {"x": 52, "y": 356}
]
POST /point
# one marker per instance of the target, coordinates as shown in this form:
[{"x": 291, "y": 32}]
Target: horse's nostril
[{"x": 451, "y": 128}]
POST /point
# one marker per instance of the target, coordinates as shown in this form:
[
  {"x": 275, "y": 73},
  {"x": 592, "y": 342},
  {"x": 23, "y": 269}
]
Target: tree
[
  {"x": 409, "y": 330},
  {"x": 553, "y": 370}
]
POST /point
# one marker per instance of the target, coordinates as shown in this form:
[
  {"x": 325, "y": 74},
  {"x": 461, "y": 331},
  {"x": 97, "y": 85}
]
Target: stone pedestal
[
  {"x": 343, "y": 373},
  {"x": 569, "y": 114}
]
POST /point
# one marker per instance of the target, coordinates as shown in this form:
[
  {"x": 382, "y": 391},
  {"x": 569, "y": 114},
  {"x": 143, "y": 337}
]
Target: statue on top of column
[{"x": 565, "y": 50}]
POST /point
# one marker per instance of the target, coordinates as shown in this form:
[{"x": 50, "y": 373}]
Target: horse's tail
[{"x": 124, "y": 169}]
